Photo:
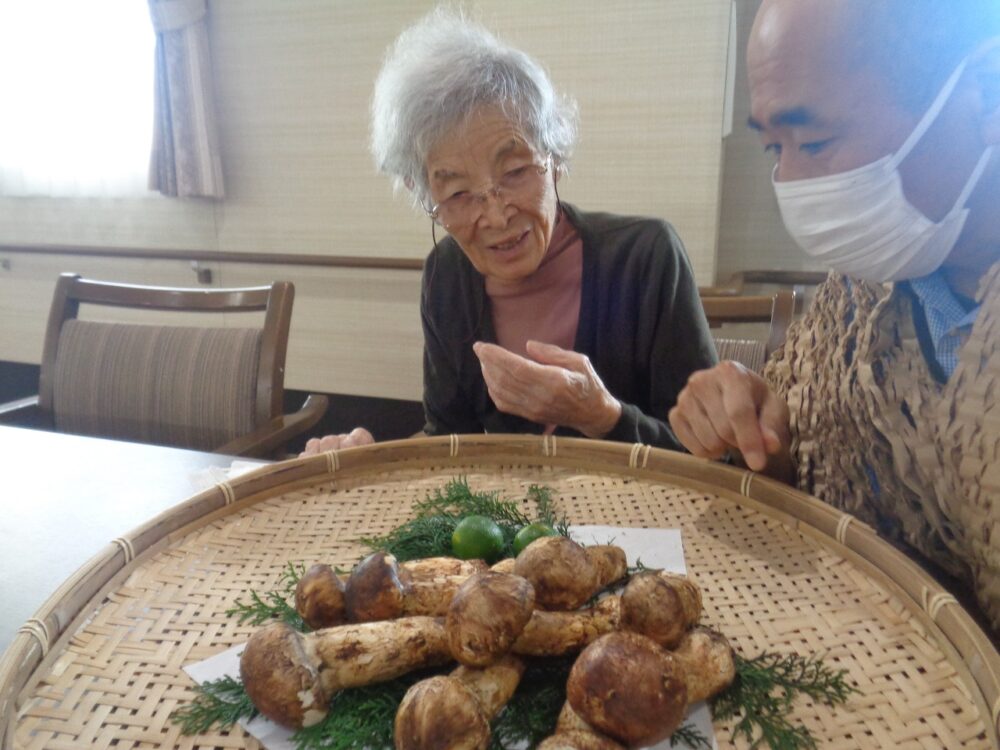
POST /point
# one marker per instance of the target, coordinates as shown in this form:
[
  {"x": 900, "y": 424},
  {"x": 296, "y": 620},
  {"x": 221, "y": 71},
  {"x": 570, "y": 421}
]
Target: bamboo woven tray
[{"x": 100, "y": 664}]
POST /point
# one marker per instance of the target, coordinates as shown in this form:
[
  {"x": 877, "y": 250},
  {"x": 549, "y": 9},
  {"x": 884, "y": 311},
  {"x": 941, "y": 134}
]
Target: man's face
[{"x": 821, "y": 110}]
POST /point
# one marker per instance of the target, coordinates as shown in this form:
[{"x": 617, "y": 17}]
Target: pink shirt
[{"x": 545, "y": 306}]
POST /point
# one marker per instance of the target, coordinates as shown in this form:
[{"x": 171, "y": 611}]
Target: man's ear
[
  {"x": 985, "y": 66},
  {"x": 408, "y": 181}
]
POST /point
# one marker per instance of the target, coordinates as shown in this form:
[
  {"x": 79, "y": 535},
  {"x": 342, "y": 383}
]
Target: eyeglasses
[{"x": 465, "y": 207}]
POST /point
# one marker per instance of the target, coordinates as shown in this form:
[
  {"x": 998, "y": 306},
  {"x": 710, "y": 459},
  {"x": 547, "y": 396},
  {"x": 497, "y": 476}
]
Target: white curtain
[
  {"x": 76, "y": 115},
  {"x": 185, "y": 159}
]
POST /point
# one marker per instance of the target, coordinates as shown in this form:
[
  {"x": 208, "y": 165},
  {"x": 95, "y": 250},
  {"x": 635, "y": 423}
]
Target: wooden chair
[
  {"x": 776, "y": 310},
  {"x": 797, "y": 281},
  {"x": 207, "y": 388}
]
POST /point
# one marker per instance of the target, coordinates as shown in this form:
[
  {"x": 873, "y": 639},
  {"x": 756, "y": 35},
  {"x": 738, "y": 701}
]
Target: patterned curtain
[{"x": 185, "y": 159}]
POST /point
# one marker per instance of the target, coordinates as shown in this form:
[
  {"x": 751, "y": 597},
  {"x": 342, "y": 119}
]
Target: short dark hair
[{"x": 919, "y": 43}]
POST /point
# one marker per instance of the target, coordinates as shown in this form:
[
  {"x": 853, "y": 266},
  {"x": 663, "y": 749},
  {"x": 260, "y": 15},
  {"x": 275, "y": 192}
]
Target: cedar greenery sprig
[
  {"x": 220, "y": 703},
  {"x": 530, "y": 715},
  {"x": 273, "y": 604},
  {"x": 428, "y": 534},
  {"x": 762, "y": 694},
  {"x": 689, "y": 734},
  {"x": 359, "y": 717}
]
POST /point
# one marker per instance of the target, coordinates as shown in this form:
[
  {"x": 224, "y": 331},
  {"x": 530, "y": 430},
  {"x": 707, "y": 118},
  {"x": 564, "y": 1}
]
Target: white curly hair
[{"x": 441, "y": 70}]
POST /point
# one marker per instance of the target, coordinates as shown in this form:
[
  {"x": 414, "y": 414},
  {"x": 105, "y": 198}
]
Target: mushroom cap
[
  {"x": 610, "y": 562},
  {"x": 560, "y": 570},
  {"x": 486, "y": 615},
  {"x": 440, "y": 713},
  {"x": 626, "y": 686},
  {"x": 660, "y": 606},
  {"x": 319, "y": 597},
  {"x": 280, "y": 679},
  {"x": 375, "y": 590}
]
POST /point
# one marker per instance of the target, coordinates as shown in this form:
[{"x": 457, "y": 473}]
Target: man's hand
[
  {"x": 555, "y": 386},
  {"x": 357, "y": 436},
  {"x": 729, "y": 407}
]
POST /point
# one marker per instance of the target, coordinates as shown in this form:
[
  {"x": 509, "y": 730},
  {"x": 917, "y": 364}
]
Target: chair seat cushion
[{"x": 186, "y": 387}]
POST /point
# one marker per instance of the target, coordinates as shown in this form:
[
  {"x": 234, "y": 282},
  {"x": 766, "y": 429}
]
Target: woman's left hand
[{"x": 554, "y": 386}]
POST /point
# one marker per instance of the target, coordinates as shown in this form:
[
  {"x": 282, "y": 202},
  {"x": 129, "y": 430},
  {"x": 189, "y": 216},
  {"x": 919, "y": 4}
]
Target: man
[{"x": 882, "y": 116}]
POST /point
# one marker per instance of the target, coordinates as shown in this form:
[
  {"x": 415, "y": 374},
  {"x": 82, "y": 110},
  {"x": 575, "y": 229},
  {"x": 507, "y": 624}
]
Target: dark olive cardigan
[{"x": 641, "y": 323}]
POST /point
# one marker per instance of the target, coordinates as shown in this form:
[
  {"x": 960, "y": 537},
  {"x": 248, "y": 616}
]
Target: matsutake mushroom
[
  {"x": 380, "y": 588},
  {"x": 627, "y": 687},
  {"x": 575, "y": 739},
  {"x": 565, "y": 574},
  {"x": 291, "y": 677},
  {"x": 455, "y": 711},
  {"x": 661, "y": 606},
  {"x": 486, "y": 615}
]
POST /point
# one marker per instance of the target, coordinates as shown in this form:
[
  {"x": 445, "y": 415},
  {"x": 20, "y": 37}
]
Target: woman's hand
[
  {"x": 555, "y": 386},
  {"x": 357, "y": 436},
  {"x": 730, "y": 407}
]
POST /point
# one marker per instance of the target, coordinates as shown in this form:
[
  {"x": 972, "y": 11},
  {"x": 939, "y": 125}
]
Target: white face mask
[{"x": 860, "y": 223}]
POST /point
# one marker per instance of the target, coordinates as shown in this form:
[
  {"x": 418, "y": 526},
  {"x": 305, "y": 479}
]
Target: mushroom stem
[
  {"x": 558, "y": 633},
  {"x": 455, "y": 711},
  {"x": 575, "y": 739},
  {"x": 706, "y": 660},
  {"x": 573, "y": 733}
]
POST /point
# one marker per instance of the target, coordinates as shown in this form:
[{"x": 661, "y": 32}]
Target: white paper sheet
[{"x": 656, "y": 548}]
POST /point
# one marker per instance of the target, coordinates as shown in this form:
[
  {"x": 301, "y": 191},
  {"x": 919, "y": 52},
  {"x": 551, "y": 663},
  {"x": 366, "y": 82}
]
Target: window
[{"x": 76, "y": 83}]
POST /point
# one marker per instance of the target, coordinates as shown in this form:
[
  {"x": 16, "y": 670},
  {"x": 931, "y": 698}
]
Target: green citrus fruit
[
  {"x": 477, "y": 538},
  {"x": 530, "y": 533}
]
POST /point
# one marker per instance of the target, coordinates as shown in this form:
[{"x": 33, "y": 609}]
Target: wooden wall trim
[{"x": 284, "y": 259}]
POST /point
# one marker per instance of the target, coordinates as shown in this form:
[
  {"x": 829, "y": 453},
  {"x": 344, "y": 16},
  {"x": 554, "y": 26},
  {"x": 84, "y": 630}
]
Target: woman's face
[{"x": 508, "y": 230}]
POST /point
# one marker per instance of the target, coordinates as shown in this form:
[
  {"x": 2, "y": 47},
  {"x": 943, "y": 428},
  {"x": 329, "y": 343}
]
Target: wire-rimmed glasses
[{"x": 465, "y": 207}]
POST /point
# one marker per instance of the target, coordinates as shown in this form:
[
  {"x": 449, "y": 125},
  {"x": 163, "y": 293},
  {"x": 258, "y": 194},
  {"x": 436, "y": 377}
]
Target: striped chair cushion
[
  {"x": 186, "y": 387},
  {"x": 747, "y": 352}
]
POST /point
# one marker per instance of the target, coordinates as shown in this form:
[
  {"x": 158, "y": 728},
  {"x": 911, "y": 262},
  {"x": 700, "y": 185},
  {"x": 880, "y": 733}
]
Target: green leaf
[
  {"x": 220, "y": 703},
  {"x": 761, "y": 698}
]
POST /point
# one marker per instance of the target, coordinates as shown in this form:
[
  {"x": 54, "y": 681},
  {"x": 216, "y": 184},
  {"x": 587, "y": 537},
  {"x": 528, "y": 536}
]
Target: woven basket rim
[{"x": 959, "y": 635}]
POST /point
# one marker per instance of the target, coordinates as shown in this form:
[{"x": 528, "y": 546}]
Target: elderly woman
[{"x": 537, "y": 316}]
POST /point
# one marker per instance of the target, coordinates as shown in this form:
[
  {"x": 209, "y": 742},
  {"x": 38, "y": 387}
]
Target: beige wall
[
  {"x": 294, "y": 78},
  {"x": 751, "y": 235}
]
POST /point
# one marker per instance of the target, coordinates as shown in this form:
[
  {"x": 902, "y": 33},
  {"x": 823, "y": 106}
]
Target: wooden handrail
[{"x": 299, "y": 259}]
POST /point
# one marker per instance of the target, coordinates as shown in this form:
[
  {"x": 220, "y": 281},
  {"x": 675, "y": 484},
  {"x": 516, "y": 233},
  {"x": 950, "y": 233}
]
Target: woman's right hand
[
  {"x": 357, "y": 436},
  {"x": 729, "y": 407}
]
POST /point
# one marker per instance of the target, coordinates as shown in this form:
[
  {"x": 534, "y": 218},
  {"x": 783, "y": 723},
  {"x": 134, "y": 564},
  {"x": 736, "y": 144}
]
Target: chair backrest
[
  {"x": 776, "y": 310},
  {"x": 193, "y": 387}
]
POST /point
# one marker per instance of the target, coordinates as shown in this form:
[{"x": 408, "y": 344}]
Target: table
[{"x": 63, "y": 497}]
